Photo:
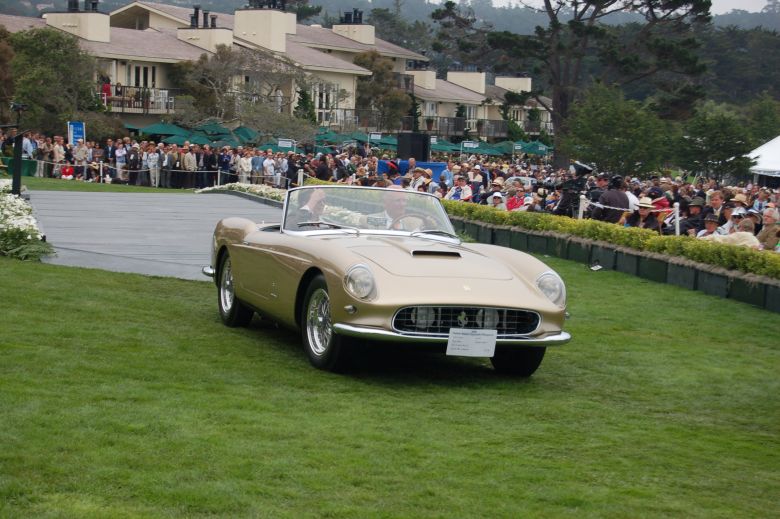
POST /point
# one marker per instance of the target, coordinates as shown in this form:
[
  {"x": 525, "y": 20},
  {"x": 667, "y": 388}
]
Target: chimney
[
  {"x": 205, "y": 19},
  {"x": 193, "y": 21},
  {"x": 195, "y": 17},
  {"x": 352, "y": 27},
  {"x": 89, "y": 24},
  {"x": 213, "y": 21},
  {"x": 267, "y": 28}
]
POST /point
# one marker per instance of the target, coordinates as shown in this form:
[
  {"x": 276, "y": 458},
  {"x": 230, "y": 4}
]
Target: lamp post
[{"x": 16, "y": 184}]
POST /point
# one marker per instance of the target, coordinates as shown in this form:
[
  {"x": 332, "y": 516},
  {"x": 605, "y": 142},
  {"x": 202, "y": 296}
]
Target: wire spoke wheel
[
  {"x": 325, "y": 348},
  {"x": 318, "y": 324},
  {"x": 226, "y": 293},
  {"x": 232, "y": 310}
]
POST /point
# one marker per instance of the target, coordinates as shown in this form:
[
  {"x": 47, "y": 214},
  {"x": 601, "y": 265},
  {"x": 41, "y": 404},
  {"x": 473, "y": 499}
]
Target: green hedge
[
  {"x": 730, "y": 257},
  {"x": 763, "y": 263}
]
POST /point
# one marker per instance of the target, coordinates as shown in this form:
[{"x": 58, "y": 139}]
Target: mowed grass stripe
[{"x": 124, "y": 396}]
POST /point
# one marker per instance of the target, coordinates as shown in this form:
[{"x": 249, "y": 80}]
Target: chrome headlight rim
[
  {"x": 558, "y": 299},
  {"x": 366, "y": 294}
]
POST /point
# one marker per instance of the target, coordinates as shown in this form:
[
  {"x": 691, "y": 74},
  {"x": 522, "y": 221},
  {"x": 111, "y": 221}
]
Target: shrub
[{"x": 727, "y": 256}]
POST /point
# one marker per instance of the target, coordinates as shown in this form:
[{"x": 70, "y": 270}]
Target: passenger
[{"x": 313, "y": 201}]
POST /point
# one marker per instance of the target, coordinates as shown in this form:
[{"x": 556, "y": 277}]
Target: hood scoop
[{"x": 436, "y": 253}]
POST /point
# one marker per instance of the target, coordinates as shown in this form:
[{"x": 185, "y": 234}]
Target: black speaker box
[{"x": 417, "y": 145}]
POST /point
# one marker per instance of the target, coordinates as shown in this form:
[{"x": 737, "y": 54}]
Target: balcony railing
[
  {"x": 535, "y": 127},
  {"x": 347, "y": 120},
  {"x": 443, "y": 126},
  {"x": 137, "y": 100}
]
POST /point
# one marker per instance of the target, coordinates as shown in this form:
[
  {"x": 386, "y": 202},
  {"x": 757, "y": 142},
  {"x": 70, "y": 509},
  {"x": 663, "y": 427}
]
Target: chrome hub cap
[
  {"x": 318, "y": 326},
  {"x": 226, "y": 294}
]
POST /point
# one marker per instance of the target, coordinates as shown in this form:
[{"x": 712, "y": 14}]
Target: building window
[
  {"x": 471, "y": 112},
  {"x": 431, "y": 109},
  {"x": 325, "y": 97}
]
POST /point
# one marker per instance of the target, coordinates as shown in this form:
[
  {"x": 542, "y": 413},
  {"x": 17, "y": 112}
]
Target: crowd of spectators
[
  {"x": 147, "y": 163},
  {"x": 745, "y": 214}
]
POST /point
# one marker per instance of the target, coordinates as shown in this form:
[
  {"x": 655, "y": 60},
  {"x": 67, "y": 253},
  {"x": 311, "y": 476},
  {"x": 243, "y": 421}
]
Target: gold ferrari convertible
[{"x": 348, "y": 266}]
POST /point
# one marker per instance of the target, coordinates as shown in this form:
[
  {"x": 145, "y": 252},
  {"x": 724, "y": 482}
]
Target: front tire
[
  {"x": 232, "y": 310},
  {"x": 326, "y": 350},
  {"x": 518, "y": 362}
]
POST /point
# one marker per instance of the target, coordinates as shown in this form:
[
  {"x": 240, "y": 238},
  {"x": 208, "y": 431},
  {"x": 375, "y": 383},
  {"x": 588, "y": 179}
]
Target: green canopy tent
[
  {"x": 388, "y": 142},
  {"x": 358, "y": 136},
  {"x": 197, "y": 137},
  {"x": 246, "y": 134},
  {"x": 537, "y": 148},
  {"x": 213, "y": 128},
  {"x": 132, "y": 127},
  {"x": 273, "y": 146},
  {"x": 193, "y": 138},
  {"x": 175, "y": 139},
  {"x": 164, "y": 129},
  {"x": 227, "y": 141},
  {"x": 505, "y": 147},
  {"x": 331, "y": 138},
  {"x": 483, "y": 149},
  {"x": 445, "y": 147}
]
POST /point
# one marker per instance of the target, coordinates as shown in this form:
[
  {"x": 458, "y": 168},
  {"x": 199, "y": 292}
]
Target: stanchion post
[
  {"x": 583, "y": 205},
  {"x": 677, "y": 218},
  {"x": 16, "y": 170},
  {"x": 100, "y": 172},
  {"x": 300, "y": 177}
]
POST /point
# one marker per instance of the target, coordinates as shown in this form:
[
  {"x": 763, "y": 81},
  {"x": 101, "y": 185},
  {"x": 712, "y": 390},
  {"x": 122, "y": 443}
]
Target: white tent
[{"x": 767, "y": 157}]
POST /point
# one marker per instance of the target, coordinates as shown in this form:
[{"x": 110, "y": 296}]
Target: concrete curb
[{"x": 248, "y": 196}]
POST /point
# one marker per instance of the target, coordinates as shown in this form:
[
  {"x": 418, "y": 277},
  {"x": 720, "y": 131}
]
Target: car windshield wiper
[
  {"x": 437, "y": 232},
  {"x": 330, "y": 225}
]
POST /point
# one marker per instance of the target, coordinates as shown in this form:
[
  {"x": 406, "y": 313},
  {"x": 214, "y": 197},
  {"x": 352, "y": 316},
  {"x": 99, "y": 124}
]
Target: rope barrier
[
  {"x": 100, "y": 166},
  {"x": 624, "y": 209}
]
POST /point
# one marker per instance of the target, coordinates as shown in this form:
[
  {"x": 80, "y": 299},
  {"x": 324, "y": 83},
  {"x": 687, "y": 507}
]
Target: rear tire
[
  {"x": 326, "y": 350},
  {"x": 232, "y": 310},
  {"x": 518, "y": 361}
]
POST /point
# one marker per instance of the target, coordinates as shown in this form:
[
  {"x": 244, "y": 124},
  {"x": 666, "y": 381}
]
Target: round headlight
[
  {"x": 552, "y": 286},
  {"x": 359, "y": 282}
]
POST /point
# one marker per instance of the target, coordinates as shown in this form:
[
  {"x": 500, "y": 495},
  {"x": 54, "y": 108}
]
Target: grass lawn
[
  {"x": 124, "y": 396},
  {"x": 56, "y": 184}
]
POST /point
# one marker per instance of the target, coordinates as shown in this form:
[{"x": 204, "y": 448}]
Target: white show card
[{"x": 472, "y": 342}]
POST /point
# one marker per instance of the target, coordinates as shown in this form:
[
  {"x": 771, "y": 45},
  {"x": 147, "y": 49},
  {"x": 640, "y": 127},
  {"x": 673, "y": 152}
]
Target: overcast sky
[{"x": 718, "y": 6}]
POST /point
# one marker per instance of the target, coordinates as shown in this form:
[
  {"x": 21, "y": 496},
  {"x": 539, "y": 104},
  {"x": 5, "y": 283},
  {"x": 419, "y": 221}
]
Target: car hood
[{"x": 417, "y": 257}]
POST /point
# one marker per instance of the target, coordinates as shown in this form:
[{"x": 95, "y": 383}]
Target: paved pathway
[{"x": 156, "y": 234}]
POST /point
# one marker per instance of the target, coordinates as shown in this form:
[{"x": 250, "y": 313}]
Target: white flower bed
[
  {"x": 16, "y": 214},
  {"x": 19, "y": 233},
  {"x": 254, "y": 189}
]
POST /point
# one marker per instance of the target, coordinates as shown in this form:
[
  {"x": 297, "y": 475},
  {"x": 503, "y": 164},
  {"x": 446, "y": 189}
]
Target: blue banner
[{"x": 76, "y": 131}]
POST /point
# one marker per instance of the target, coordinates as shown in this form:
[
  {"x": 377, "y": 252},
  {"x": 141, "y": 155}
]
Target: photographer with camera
[{"x": 571, "y": 188}]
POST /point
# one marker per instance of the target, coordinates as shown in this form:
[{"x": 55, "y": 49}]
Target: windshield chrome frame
[{"x": 340, "y": 232}]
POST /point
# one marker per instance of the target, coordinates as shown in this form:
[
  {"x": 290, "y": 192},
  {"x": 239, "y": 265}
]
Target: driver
[
  {"x": 394, "y": 202},
  {"x": 313, "y": 206}
]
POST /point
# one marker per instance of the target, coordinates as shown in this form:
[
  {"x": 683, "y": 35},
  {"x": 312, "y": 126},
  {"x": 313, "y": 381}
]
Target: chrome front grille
[{"x": 437, "y": 320}]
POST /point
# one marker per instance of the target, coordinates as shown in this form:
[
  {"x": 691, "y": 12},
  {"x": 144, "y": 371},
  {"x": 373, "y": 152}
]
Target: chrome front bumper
[
  {"x": 208, "y": 271},
  {"x": 377, "y": 334}
]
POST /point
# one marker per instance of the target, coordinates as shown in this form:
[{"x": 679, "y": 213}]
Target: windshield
[{"x": 359, "y": 209}]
